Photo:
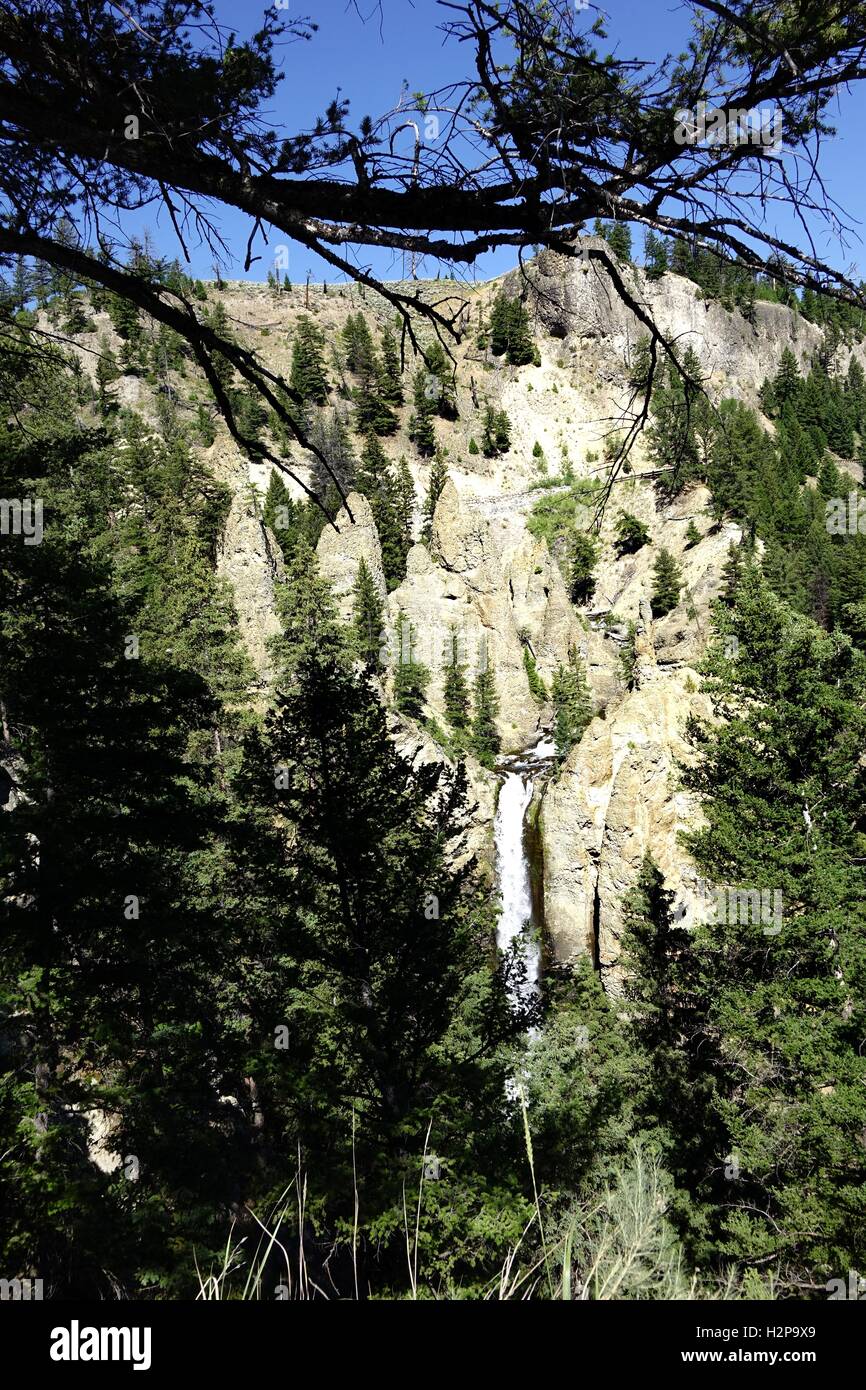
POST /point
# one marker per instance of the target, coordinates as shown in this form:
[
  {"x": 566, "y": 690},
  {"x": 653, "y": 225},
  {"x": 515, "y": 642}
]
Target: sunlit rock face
[
  {"x": 341, "y": 550},
  {"x": 504, "y": 591},
  {"x": 617, "y": 799}
]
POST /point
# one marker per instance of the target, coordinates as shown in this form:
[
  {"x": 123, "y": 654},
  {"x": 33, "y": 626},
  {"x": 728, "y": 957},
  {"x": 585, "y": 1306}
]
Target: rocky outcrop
[
  {"x": 250, "y": 559},
  {"x": 617, "y": 798},
  {"x": 340, "y": 552},
  {"x": 484, "y": 575},
  {"x": 474, "y": 822},
  {"x": 624, "y": 583},
  {"x": 576, "y": 301},
  {"x": 499, "y": 594}
]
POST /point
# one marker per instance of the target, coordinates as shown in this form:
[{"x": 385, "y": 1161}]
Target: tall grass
[{"x": 619, "y": 1246}]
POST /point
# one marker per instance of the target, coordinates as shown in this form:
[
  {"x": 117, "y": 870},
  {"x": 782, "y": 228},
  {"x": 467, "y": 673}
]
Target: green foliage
[
  {"x": 496, "y": 433},
  {"x": 618, "y": 237},
  {"x": 572, "y": 703},
  {"x": 375, "y": 391},
  {"x": 656, "y": 256},
  {"x": 107, "y": 372},
  {"x": 397, "y": 1016},
  {"x": 667, "y": 583},
  {"x": 584, "y": 554},
  {"x": 455, "y": 691},
  {"x": 438, "y": 479},
  {"x": 775, "y": 1016},
  {"x": 631, "y": 535},
  {"x": 537, "y": 688},
  {"x": 510, "y": 331},
  {"x": 390, "y": 376},
  {"x": 308, "y": 377},
  {"x": 367, "y": 617},
  {"x": 386, "y": 493},
  {"x": 421, "y": 430},
  {"x": 682, "y": 430},
  {"x": 439, "y": 387},
  {"x": 308, "y": 616},
  {"x": 123, "y": 950},
  {"x": 278, "y": 512},
  {"x": 484, "y": 740},
  {"x": 411, "y": 677}
]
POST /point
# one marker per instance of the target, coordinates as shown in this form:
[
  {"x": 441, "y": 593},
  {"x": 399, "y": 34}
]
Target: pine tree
[
  {"x": 655, "y": 256},
  {"x": 619, "y": 240},
  {"x": 537, "y": 689},
  {"x": 439, "y": 386},
  {"x": 787, "y": 380},
  {"x": 405, "y": 504},
  {"x": 673, "y": 1096},
  {"x": 107, "y": 372},
  {"x": 572, "y": 703},
  {"x": 855, "y": 396},
  {"x": 631, "y": 534},
  {"x": 308, "y": 377},
  {"x": 785, "y": 972},
  {"x": 455, "y": 692},
  {"x": 390, "y": 377},
  {"x": 667, "y": 583},
  {"x": 394, "y": 992},
  {"x": 499, "y": 324},
  {"x": 584, "y": 554},
  {"x": 485, "y": 741},
  {"x": 693, "y": 535},
  {"x": 358, "y": 345},
  {"x": 436, "y": 483},
  {"x": 308, "y": 616},
  {"x": 367, "y": 617},
  {"x": 217, "y": 319},
  {"x": 682, "y": 427},
  {"x": 732, "y": 573},
  {"x": 421, "y": 430},
  {"x": 376, "y": 480},
  {"x": 373, "y": 413},
  {"x": 411, "y": 677},
  {"x": 496, "y": 433},
  {"x": 279, "y": 510},
  {"x": 120, "y": 950},
  {"x": 510, "y": 331}
]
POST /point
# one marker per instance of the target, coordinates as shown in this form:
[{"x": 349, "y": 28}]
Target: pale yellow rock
[
  {"x": 340, "y": 552},
  {"x": 498, "y": 594},
  {"x": 617, "y": 798},
  {"x": 250, "y": 559}
]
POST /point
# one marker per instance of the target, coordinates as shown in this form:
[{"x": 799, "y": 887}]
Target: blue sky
[{"x": 369, "y": 61}]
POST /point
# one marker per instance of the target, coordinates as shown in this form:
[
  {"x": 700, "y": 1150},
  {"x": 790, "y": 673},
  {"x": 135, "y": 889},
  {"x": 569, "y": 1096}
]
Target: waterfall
[
  {"x": 513, "y": 869},
  {"x": 512, "y": 866}
]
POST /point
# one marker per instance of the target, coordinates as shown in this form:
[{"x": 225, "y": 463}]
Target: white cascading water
[{"x": 512, "y": 865}]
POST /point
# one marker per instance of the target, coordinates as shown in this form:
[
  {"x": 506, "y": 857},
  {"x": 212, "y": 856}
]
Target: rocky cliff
[{"x": 486, "y": 576}]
